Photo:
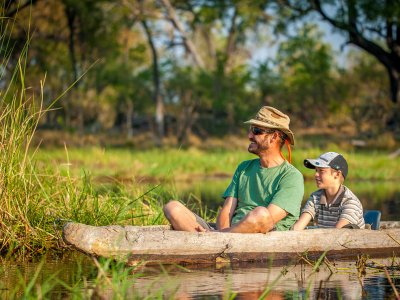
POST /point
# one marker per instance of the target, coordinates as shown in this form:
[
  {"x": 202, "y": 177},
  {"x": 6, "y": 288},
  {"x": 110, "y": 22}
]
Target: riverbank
[{"x": 125, "y": 164}]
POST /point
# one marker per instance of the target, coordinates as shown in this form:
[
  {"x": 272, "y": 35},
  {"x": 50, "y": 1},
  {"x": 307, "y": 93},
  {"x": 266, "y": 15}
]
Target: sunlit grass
[
  {"x": 35, "y": 198},
  {"x": 186, "y": 163}
]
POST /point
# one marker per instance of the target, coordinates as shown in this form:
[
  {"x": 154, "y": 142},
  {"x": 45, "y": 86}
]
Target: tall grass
[
  {"x": 33, "y": 196},
  {"x": 20, "y": 188}
]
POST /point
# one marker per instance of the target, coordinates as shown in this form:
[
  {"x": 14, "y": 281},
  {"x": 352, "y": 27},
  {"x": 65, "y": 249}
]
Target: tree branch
[
  {"x": 178, "y": 26},
  {"x": 230, "y": 44},
  {"x": 19, "y": 7},
  {"x": 355, "y": 36}
]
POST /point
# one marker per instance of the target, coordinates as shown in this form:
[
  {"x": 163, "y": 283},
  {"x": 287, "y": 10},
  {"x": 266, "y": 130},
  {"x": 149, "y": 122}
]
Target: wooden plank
[
  {"x": 159, "y": 244},
  {"x": 389, "y": 224}
]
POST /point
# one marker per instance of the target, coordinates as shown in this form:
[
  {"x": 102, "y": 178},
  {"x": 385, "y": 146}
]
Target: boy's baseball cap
[{"x": 332, "y": 160}]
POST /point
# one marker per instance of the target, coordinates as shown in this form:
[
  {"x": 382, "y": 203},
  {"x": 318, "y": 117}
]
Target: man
[{"x": 265, "y": 193}]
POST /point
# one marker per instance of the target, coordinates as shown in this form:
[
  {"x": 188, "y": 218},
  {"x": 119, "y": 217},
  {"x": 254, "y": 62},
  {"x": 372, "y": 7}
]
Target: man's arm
[
  {"x": 259, "y": 220},
  {"x": 225, "y": 215},
  {"x": 276, "y": 213},
  {"x": 303, "y": 221}
]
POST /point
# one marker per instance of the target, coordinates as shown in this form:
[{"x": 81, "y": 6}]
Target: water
[
  {"x": 76, "y": 275},
  {"x": 284, "y": 282},
  {"x": 332, "y": 280}
]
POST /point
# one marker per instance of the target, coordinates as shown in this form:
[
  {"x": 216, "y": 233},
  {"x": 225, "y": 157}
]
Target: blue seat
[{"x": 373, "y": 217}]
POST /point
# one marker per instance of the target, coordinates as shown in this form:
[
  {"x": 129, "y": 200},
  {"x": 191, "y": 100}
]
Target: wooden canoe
[{"x": 161, "y": 244}]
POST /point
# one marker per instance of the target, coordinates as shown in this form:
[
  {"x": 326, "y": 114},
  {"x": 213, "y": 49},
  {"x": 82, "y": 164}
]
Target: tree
[
  {"x": 306, "y": 67},
  {"x": 367, "y": 89},
  {"x": 87, "y": 29},
  {"x": 214, "y": 35},
  {"x": 374, "y": 26}
]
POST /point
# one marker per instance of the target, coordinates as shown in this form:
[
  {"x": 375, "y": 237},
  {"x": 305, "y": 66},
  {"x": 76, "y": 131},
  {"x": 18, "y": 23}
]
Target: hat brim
[
  {"x": 314, "y": 163},
  {"x": 287, "y": 131}
]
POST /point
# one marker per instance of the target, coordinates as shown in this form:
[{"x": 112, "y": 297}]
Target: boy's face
[{"x": 326, "y": 177}]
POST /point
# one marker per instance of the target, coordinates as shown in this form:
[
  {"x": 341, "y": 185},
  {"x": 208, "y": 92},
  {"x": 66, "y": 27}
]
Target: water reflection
[
  {"x": 331, "y": 280},
  {"x": 271, "y": 282}
]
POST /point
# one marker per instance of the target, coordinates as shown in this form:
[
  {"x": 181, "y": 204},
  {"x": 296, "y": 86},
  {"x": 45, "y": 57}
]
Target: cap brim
[
  {"x": 288, "y": 132},
  {"x": 313, "y": 163}
]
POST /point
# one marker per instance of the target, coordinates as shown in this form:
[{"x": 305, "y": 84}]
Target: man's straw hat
[{"x": 269, "y": 117}]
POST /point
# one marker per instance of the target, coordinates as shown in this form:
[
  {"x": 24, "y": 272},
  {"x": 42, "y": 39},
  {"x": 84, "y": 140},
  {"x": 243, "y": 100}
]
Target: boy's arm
[
  {"x": 225, "y": 215},
  {"x": 341, "y": 223},
  {"x": 303, "y": 221}
]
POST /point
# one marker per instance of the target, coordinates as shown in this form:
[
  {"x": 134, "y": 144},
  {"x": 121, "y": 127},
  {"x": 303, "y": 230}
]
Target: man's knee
[
  {"x": 172, "y": 208},
  {"x": 261, "y": 219}
]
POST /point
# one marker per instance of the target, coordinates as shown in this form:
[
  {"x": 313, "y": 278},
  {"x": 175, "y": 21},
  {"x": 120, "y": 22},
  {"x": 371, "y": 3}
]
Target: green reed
[{"x": 36, "y": 198}]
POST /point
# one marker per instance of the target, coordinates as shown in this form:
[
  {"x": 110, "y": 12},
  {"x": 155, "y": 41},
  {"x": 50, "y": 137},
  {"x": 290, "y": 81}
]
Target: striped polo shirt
[{"x": 345, "y": 206}]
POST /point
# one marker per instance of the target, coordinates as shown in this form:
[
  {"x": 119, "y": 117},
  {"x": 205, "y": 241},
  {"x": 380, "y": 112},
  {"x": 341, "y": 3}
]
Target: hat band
[{"x": 270, "y": 122}]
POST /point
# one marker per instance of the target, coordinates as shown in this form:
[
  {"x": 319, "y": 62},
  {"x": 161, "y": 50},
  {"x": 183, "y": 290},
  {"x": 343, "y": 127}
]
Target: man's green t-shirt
[{"x": 254, "y": 186}]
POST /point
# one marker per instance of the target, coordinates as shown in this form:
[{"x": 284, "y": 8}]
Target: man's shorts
[{"x": 204, "y": 224}]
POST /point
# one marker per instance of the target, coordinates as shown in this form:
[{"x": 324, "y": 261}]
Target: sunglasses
[{"x": 258, "y": 131}]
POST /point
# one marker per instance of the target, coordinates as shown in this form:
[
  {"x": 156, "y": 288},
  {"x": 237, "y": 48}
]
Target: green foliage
[
  {"x": 306, "y": 65},
  {"x": 116, "y": 95},
  {"x": 367, "y": 82}
]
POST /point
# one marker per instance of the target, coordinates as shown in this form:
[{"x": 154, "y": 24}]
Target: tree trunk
[
  {"x": 187, "y": 119},
  {"x": 129, "y": 118},
  {"x": 159, "y": 117},
  {"x": 231, "y": 117},
  {"x": 81, "y": 121},
  {"x": 160, "y": 244},
  {"x": 71, "y": 17},
  {"x": 394, "y": 77}
]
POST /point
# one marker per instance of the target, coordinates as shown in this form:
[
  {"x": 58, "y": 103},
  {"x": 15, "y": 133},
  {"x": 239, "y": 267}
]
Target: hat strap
[{"x": 289, "y": 152}]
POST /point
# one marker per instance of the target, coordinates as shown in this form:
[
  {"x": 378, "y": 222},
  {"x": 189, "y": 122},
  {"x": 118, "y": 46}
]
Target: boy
[{"x": 333, "y": 205}]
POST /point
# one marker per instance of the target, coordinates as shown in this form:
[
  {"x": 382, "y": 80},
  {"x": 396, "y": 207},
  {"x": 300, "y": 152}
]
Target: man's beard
[{"x": 256, "y": 148}]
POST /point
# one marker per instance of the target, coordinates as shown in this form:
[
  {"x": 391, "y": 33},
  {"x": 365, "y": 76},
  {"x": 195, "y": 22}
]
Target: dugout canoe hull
[{"x": 155, "y": 244}]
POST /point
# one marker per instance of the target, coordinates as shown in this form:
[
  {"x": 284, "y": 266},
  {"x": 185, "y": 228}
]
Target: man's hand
[
  {"x": 226, "y": 213},
  {"x": 201, "y": 229}
]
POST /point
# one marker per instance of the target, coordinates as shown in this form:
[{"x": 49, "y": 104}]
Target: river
[{"x": 76, "y": 276}]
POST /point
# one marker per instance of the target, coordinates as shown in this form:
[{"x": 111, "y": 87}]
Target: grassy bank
[
  {"x": 36, "y": 198},
  {"x": 179, "y": 164}
]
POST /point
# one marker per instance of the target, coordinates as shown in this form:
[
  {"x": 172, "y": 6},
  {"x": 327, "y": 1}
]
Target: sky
[{"x": 331, "y": 36}]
